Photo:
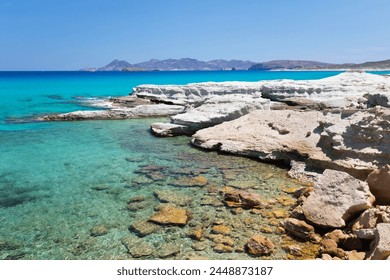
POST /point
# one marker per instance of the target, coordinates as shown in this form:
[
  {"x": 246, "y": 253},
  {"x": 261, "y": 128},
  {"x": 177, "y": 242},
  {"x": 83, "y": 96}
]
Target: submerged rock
[
  {"x": 259, "y": 245},
  {"x": 168, "y": 250},
  {"x": 169, "y": 215},
  {"x": 99, "y": 230},
  {"x": 299, "y": 229},
  {"x": 241, "y": 199},
  {"x": 144, "y": 228},
  {"x": 175, "y": 197},
  {"x": 336, "y": 198},
  {"x": 137, "y": 248}
]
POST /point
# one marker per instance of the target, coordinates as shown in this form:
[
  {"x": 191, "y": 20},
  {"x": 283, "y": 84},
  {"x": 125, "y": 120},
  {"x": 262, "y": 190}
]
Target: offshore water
[{"x": 62, "y": 182}]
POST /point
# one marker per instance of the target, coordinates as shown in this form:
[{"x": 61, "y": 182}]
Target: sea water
[{"x": 61, "y": 181}]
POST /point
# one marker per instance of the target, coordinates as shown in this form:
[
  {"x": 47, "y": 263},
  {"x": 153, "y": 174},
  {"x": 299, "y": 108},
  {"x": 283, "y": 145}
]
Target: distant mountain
[
  {"x": 289, "y": 64},
  {"x": 176, "y": 64},
  {"x": 383, "y": 64},
  {"x": 221, "y": 64}
]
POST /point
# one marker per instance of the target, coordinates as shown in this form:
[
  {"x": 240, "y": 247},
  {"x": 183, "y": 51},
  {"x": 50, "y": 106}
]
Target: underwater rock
[
  {"x": 198, "y": 181},
  {"x": 99, "y": 230},
  {"x": 221, "y": 248},
  {"x": 136, "y": 247},
  {"x": 168, "y": 250},
  {"x": 144, "y": 228},
  {"x": 241, "y": 199},
  {"x": 175, "y": 197},
  {"x": 259, "y": 245},
  {"x": 139, "y": 205},
  {"x": 221, "y": 229},
  {"x": 170, "y": 215},
  {"x": 196, "y": 233},
  {"x": 298, "y": 228}
]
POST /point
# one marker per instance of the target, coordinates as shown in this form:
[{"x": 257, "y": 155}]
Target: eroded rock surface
[{"x": 336, "y": 198}]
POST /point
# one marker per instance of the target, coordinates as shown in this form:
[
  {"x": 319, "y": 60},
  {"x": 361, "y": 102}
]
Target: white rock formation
[
  {"x": 156, "y": 110},
  {"x": 336, "y": 198},
  {"x": 346, "y": 90}
]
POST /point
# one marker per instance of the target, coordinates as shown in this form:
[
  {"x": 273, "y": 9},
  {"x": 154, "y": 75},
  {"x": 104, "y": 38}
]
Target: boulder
[
  {"x": 336, "y": 198},
  {"x": 381, "y": 248},
  {"x": 364, "y": 226},
  {"x": 379, "y": 183},
  {"x": 259, "y": 245},
  {"x": 299, "y": 229},
  {"x": 170, "y": 215}
]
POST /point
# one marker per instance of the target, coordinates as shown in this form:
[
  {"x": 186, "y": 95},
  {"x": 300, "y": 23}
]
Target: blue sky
[{"x": 72, "y": 34}]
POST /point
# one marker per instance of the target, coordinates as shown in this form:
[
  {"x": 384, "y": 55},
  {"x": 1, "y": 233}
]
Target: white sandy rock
[{"x": 336, "y": 198}]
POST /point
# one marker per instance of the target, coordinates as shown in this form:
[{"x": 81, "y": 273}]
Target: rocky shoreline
[{"x": 333, "y": 132}]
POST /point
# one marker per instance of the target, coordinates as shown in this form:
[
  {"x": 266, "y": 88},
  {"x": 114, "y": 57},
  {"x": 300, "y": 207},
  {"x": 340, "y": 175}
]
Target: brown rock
[
  {"x": 99, "y": 230},
  {"x": 221, "y": 248},
  {"x": 280, "y": 213},
  {"x": 198, "y": 181},
  {"x": 379, "y": 183},
  {"x": 298, "y": 228},
  {"x": 259, "y": 245},
  {"x": 144, "y": 228},
  {"x": 328, "y": 246},
  {"x": 240, "y": 198},
  {"x": 293, "y": 250},
  {"x": 169, "y": 215},
  {"x": 196, "y": 234},
  {"x": 221, "y": 229}
]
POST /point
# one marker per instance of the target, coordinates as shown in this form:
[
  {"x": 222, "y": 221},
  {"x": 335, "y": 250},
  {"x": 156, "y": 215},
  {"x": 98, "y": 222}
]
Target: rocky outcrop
[
  {"x": 381, "y": 249},
  {"x": 336, "y": 198},
  {"x": 379, "y": 182},
  {"x": 141, "y": 111},
  {"x": 212, "y": 111},
  {"x": 356, "y": 142}
]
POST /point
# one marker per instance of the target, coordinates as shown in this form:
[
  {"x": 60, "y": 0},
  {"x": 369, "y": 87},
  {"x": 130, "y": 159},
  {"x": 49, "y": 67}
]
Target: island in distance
[{"x": 190, "y": 64}]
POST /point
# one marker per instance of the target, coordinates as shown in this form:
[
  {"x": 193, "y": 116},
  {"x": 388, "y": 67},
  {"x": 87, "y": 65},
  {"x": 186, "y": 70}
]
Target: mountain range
[{"x": 183, "y": 64}]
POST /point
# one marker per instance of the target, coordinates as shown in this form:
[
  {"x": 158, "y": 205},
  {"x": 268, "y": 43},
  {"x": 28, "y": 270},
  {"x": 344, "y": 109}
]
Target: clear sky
[{"x": 72, "y": 34}]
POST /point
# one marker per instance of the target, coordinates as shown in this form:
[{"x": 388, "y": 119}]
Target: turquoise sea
[{"x": 62, "y": 182}]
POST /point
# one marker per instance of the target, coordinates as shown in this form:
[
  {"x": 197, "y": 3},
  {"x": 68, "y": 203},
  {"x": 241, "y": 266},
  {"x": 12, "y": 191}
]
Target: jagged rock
[
  {"x": 381, "y": 248},
  {"x": 299, "y": 229},
  {"x": 196, "y": 233},
  {"x": 169, "y": 215},
  {"x": 364, "y": 226},
  {"x": 328, "y": 246},
  {"x": 379, "y": 183},
  {"x": 336, "y": 198},
  {"x": 259, "y": 245},
  {"x": 144, "y": 228}
]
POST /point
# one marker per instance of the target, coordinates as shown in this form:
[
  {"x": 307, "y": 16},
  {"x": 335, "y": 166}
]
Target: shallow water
[{"x": 57, "y": 185}]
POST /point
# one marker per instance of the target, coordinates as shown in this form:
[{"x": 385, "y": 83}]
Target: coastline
[{"x": 226, "y": 116}]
